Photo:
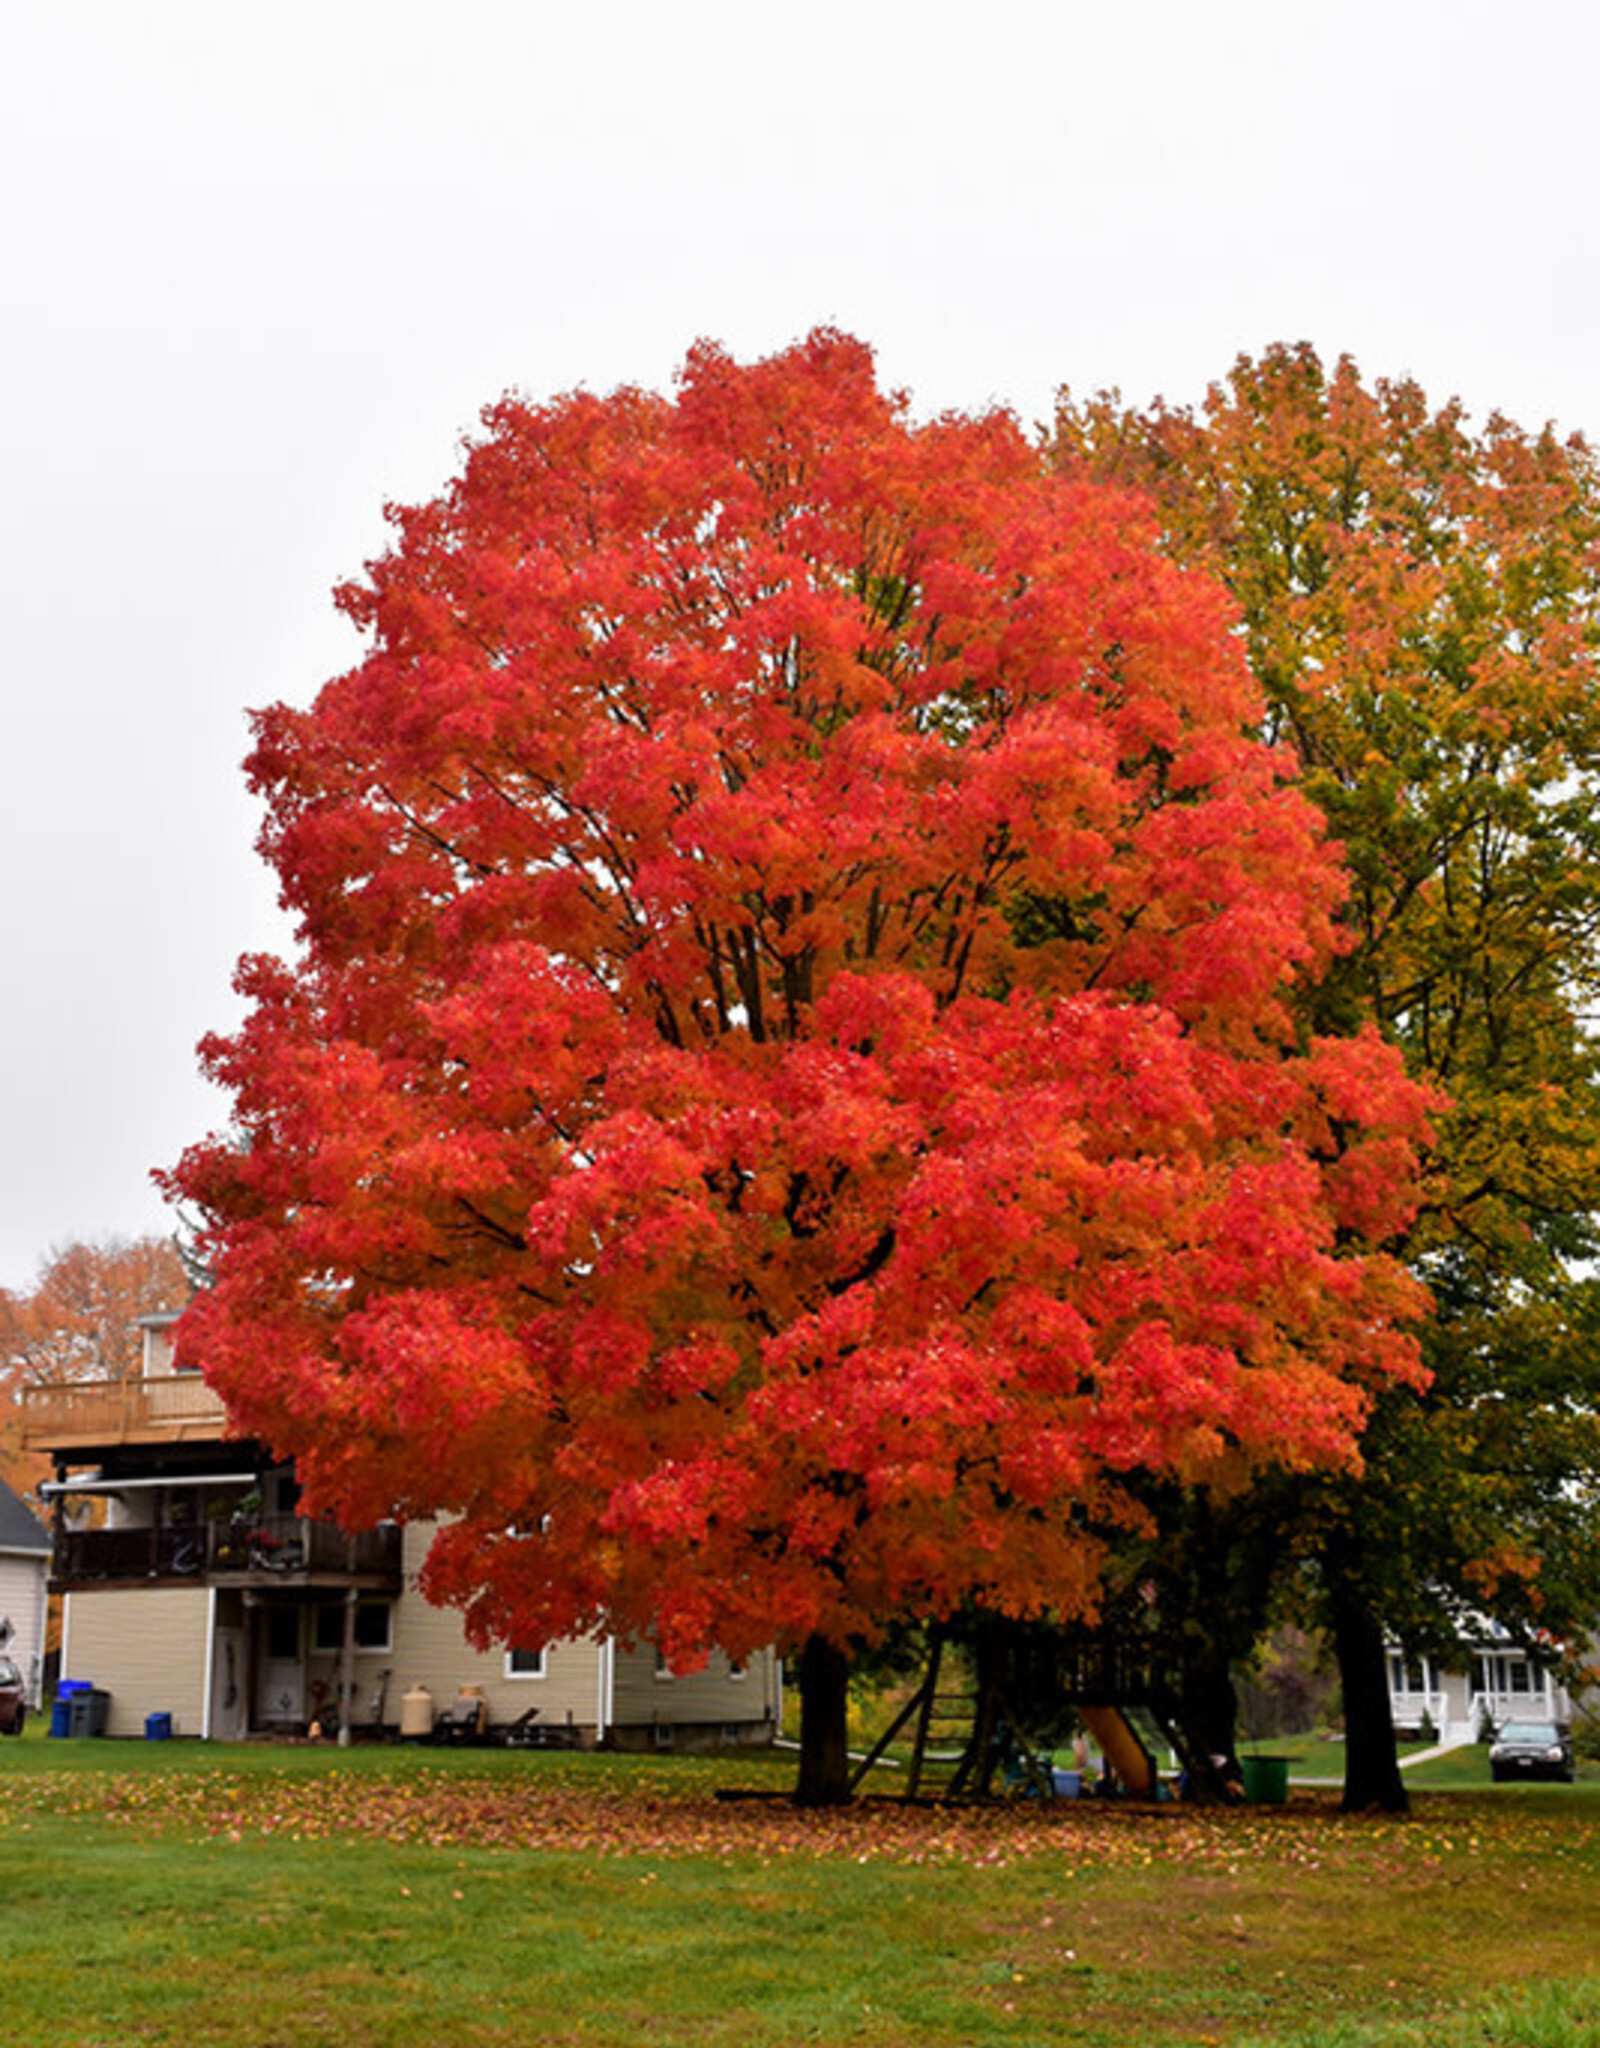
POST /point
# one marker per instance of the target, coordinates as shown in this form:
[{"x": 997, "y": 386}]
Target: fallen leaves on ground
[{"x": 444, "y": 1810}]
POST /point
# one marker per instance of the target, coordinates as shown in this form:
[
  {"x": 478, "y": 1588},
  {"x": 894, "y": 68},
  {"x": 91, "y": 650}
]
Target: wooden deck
[{"x": 99, "y": 1414}]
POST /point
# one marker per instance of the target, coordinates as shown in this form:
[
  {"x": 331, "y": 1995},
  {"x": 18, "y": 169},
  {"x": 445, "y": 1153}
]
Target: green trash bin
[{"x": 1266, "y": 1779}]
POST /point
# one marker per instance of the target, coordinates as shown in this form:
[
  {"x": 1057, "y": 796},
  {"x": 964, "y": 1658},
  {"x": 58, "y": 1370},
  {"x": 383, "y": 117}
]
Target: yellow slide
[{"x": 1124, "y": 1753}]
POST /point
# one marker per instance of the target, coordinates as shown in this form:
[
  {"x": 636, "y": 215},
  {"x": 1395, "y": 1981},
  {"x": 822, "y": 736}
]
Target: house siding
[
  {"x": 152, "y": 1646},
  {"x": 270, "y": 1653},
  {"x": 22, "y": 1603},
  {"x": 430, "y": 1650},
  {"x": 146, "y": 1649},
  {"x": 650, "y": 1705}
]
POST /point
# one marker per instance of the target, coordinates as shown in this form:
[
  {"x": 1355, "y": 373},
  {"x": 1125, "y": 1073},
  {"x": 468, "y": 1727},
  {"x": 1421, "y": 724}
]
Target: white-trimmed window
[
  {"x": 1411, "y": 1675},
  {"x": 1505, "y": 1673},
  {"x": 525, "y": 1664}
]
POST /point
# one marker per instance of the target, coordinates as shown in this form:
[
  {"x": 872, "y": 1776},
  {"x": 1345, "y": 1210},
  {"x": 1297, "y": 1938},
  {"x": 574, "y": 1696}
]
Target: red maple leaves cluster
[{"x": 786, "y": 1109}]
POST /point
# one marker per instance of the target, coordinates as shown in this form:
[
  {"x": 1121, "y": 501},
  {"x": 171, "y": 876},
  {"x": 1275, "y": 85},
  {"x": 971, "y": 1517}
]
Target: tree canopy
[
  {"x": 1421, "y": 604},
  {"x": 789, "y": 1095}
]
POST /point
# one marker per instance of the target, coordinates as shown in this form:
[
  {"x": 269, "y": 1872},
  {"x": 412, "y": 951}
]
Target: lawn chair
[{"x": 465, "y": 1719}]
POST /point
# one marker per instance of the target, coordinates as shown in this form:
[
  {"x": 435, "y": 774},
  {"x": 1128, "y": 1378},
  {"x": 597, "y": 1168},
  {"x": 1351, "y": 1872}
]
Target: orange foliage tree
[
  {"x": 787, "y": 1099},
  {"x": 79, "y": 1321}
]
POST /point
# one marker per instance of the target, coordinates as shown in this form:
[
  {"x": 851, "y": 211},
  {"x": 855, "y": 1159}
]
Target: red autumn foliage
[{"x": 786, "y": 1104}]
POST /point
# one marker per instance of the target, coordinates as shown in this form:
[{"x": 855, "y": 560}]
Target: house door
[{"x": 281, "y": 1667}]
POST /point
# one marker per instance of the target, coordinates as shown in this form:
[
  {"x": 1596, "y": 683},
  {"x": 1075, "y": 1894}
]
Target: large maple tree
[
  {"x": 1421, "y": 603},
  {"x": 787, "y": 1097}
]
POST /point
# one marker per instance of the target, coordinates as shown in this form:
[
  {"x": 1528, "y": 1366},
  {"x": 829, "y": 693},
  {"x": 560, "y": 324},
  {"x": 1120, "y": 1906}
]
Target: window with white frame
[
  {"x": 1508, "y": 1673},
  {"x": 525, "y": 1664},
  {"x": 1410, "y": 1674}
]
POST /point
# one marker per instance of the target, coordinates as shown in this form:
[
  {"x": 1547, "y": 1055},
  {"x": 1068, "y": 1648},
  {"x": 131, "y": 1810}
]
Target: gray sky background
[{"x": 261, "y": 268}]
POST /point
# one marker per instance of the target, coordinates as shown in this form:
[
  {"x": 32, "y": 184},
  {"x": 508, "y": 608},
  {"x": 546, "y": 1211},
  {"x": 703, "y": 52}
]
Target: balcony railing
[
  {"x": 254, "y": 1549},
  {"x": 177, "y": 1408}
]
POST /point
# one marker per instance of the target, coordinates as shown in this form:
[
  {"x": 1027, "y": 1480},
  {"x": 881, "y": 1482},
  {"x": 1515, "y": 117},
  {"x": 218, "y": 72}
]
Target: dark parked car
[
  {"x": 13, "y": 1698},
  {"x": 1531, "y": 1749}
]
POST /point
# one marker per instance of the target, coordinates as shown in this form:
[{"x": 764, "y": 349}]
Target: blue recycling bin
[
  {"x": 67, "y": 1690},
  {"x": 158, "y": 1727}
]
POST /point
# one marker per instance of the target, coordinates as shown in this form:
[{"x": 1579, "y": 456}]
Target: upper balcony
[
  {"x": 92, "y": 1415},
  {"x": 281, "y": 1551}
]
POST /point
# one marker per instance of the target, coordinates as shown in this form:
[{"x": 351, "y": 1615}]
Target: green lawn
[
  {"x": 1465, "y": 1769},
  {"x": 1313, "y": 1762},
  {"x": 387, "y": 1898}
]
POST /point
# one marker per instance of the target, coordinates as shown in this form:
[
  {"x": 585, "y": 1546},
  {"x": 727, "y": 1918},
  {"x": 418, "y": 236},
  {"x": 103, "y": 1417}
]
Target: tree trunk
[
  {"x": 1208, "y": 1717},
  {"x": 824, "y": 1740},
  {"x": 1372, "y": 1779},
  {"x": 990, "y": 1642}
]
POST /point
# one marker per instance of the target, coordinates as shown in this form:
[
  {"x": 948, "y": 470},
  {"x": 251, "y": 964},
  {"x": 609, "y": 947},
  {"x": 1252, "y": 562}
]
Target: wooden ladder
[
  {"x": 954, "y": 1738},
  {"x": 940, "y": 1719}
]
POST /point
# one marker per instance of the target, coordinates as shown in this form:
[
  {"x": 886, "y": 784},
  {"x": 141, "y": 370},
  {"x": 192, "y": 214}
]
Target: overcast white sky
[{"x": 262, "y": 267}]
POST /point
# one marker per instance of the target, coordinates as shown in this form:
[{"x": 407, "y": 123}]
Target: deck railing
[
  {"x": 172, "y": 1408},
  {"x": 252, "y": 1548}
]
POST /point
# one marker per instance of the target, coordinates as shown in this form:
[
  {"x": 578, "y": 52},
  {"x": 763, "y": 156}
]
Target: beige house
[
  {"x": 195, "y": 1596},
  {"x": 24, "y": 1563}
]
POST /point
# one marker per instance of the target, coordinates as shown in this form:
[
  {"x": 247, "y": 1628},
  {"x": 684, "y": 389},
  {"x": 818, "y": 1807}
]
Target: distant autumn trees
[
  {"x": 78, "y": 1321},
  {"x": 794, "y": 1098},
  {"x": 1421, "y": 606}
]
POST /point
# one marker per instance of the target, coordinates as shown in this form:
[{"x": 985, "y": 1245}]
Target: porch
[
  {"x": 264, "y": 1550},
  {"x": 1501, "y": 1685}
]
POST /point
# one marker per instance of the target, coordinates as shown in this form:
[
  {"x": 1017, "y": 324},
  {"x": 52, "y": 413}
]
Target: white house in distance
[
  {"x": 24, "y": 1568},
  {"x": 202, "y": 1600},
  {"x": 1491, "y": 1676}
]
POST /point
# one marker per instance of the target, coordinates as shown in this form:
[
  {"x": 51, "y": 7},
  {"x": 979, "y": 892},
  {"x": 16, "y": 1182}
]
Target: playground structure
[
  {"x": 968, "y": 1740},
  {"x": 1129, "y": 1762}
]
